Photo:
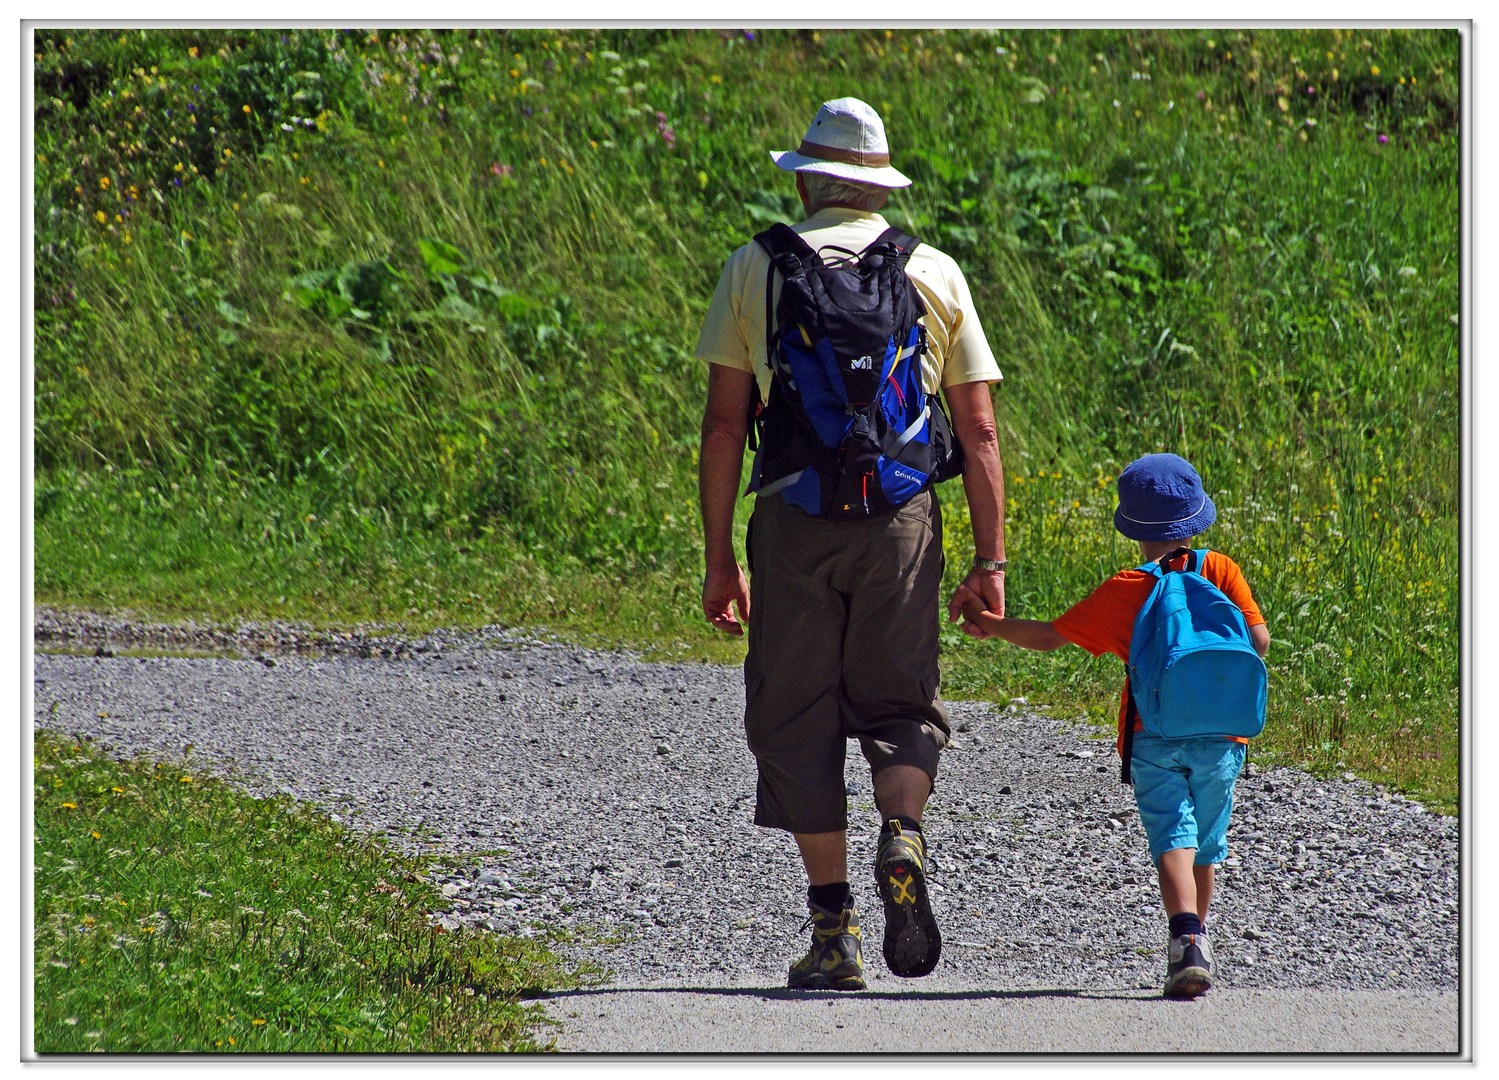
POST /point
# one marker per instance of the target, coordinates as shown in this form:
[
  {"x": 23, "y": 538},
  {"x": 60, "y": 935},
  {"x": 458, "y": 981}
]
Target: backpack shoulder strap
[
  {"x": 1198, "y": 560},
  {"x": 781, "y": 240},
  {"x": 1127, "y": 749},
  {"x": 903, "y": 242}
]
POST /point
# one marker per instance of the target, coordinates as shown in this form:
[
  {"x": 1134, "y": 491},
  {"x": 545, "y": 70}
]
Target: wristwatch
[{"x": 989, "y": 564}]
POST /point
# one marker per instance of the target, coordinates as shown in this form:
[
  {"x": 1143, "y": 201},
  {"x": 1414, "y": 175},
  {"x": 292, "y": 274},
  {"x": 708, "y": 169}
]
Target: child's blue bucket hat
[{"x": 1161, "y": 498}]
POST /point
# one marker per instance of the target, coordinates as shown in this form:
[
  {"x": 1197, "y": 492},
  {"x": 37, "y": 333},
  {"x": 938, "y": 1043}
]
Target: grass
[
  {"x": 175, "y": 913},
  {"x": 424, "y": 357}
]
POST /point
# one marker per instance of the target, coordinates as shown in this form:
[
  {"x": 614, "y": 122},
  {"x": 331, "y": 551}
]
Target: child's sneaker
[{"x": 1189, "y": 971}]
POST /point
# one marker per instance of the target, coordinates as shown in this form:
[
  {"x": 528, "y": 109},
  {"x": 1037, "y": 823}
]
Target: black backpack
[{"x": 848, "y": 430}]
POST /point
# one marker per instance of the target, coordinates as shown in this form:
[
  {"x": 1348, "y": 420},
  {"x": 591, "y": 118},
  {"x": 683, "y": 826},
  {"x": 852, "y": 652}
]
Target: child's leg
[
  {"x": 1203, "y": 877},
  {"x": 1185, "y": 887},
  {"x": 1178, "y": 880},
  {"x": 1214, "y": 766}
]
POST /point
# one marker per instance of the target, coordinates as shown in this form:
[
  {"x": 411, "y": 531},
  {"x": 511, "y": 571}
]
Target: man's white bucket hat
[{"x": 846, "y": 139}]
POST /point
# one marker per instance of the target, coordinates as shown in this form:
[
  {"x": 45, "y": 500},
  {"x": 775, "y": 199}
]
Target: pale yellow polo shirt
[{"x": 734, "y": 329}]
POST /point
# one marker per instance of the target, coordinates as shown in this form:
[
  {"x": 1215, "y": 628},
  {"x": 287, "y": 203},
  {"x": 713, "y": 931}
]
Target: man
[{"x": 843, "y": 617}]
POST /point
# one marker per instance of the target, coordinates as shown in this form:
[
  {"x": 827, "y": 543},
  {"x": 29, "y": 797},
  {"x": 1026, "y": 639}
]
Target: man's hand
[
  {"x": 981, "y": 590},
  {"x": 725, "y": 423},
  {"x": 984, "y": 484},
  {"x": 721, "y": 588}
]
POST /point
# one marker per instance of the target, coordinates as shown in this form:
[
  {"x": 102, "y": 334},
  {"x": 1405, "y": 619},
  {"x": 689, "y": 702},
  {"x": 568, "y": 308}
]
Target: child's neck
[{"x": 1151, "y": 550}]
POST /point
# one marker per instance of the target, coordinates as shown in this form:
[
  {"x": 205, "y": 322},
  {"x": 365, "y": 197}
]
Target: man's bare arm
[
  {"x": 720, "y": 462},
  {"x": 984, "y": 484}
]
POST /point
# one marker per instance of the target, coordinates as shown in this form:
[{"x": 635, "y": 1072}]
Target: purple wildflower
[
  {"x": 664, "y": 130},
  {"x": 1383, "y": 139},
  {"x": 749, "y": 35},
  {"x": 501, "y": 170}
]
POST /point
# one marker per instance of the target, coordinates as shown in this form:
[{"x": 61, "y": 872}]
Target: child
[{"x": 1183, "y": 787}]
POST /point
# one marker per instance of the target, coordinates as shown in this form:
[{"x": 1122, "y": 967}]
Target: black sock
[
  {"x": 1185, "y": 923},
  {"x": 830, "y": 897},
  {"x": 910, "y": 824}
]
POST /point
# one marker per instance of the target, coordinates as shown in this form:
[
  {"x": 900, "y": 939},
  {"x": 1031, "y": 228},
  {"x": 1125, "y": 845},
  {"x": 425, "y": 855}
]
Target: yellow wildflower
[
  {"x": 246, "y": 108},
  {"x": 101, "y": 217},
  {"x": 1373, "y": 69},
  {"x": 104, "y": 182},
  {"x": 70, "y": 806}
]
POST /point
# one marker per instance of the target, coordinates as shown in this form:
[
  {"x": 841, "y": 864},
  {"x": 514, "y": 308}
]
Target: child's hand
[{"x": 978, "y": 621}]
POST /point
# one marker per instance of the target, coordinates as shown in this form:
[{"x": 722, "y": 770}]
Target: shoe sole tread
[
  {"x": 913, "y": 944},
  {"x": 1189, "y": 983}
]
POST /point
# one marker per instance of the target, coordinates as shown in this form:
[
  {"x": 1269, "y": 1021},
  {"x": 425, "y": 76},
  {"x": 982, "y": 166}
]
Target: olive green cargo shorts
[{"x": 842, "y": 645}]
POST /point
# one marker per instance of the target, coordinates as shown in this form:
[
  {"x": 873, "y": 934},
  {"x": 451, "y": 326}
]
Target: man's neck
[{"x": 812, "y": 210}]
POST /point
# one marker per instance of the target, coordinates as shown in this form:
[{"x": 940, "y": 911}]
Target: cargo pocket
[{"x": 930, "y": 685}]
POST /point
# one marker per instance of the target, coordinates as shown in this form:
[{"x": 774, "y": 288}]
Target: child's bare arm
[
  {"x": 1027, "y": 633},
  {"x": 1259, "y": 637}
]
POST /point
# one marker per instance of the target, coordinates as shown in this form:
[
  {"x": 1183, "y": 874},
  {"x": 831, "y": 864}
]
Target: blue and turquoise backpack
[
  {"x": 1193, "y": 670},
  {"x": 848, "y": 431}
]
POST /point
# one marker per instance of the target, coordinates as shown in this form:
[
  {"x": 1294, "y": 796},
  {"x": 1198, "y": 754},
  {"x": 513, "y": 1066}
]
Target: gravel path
[{"x": 606, "y": 797}]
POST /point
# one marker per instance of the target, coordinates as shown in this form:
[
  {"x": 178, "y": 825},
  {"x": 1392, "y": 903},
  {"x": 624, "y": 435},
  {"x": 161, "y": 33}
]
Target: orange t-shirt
[{"x": 1105, "y": 621}]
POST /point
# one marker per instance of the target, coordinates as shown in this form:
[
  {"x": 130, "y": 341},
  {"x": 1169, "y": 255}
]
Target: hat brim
[
  {"x": 1175, "y": 530},
  {"x": 887, "y": 177}
]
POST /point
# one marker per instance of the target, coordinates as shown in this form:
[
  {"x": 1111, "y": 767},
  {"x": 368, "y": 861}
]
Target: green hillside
[{"x": 397, "y": 326}]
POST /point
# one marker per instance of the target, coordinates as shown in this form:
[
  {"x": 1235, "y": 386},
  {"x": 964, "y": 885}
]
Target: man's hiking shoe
[
  {"x": 912, "y": 942},
  {"x": 1189, "y": 972},
  {"x": 836, "y": 959}
]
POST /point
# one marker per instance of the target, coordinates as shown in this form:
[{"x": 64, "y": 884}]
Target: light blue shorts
[{"x": 1185, "y": 791}]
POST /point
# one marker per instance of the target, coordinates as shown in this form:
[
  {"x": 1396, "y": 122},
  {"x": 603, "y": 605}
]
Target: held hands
[
  {"x": 723, "y": 586},
  {"x": 980, "y": 602}
]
